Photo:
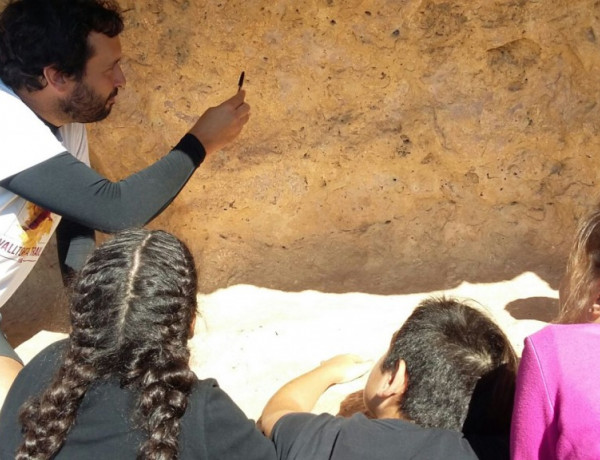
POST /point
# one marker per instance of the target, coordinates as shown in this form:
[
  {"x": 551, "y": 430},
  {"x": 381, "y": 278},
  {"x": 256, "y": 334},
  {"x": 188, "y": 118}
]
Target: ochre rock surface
[{"x": 393, "y": 147}]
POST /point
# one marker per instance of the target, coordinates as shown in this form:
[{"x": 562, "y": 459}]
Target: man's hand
[{"x": 219, "y": 125}]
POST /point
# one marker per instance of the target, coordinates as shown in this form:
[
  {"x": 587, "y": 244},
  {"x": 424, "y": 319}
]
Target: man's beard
[{"x": 85, "y": 105}]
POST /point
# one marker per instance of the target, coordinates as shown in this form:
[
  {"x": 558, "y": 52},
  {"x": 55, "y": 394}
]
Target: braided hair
[{"x": 131, "y": 311}]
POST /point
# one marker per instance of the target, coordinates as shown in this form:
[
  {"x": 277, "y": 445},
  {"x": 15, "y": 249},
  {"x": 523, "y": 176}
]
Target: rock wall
[{"x": 394, "y": 146}]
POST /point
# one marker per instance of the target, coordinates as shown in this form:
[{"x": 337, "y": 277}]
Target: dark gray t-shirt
[
  {"x": 213, "y": 426},
  {"x": 304, "y": 436}
]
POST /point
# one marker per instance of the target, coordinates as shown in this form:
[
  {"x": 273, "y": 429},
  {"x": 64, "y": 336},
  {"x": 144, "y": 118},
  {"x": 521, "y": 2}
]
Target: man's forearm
[{"x": 67, "y": 187}]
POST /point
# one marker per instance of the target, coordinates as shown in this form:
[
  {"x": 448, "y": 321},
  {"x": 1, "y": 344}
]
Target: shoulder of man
[{"x": 23, "y": 135}]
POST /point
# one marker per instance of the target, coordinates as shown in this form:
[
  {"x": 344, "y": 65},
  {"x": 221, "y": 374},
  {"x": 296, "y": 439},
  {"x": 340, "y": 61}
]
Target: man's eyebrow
[{"x": 115, "y": 62}]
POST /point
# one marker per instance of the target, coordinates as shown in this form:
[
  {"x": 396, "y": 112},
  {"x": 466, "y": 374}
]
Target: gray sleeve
[
  {"x": 74, "y": 243},
  {"x": 6, "y": 350},
  {"x": 70, "y": 188}
]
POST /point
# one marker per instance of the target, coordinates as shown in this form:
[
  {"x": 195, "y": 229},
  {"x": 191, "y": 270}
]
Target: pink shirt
[{"x": 557, "y": 403}]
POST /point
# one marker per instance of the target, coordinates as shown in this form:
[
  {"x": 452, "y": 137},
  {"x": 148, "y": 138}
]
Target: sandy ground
[{"x": 253, "y": 340}]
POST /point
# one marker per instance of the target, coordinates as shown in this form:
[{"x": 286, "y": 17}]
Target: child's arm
[{"x": 302, "y": 393}]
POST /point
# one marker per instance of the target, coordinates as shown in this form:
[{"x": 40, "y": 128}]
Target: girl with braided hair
[{"x": 120, "y": 386}]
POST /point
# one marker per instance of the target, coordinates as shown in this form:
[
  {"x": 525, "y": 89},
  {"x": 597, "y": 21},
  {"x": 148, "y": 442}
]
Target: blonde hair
[{"x": 580, "y": 285}]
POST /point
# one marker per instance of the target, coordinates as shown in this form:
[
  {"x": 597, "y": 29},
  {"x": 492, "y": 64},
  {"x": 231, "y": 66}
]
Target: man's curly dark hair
[{"x": 35, "y": 34}]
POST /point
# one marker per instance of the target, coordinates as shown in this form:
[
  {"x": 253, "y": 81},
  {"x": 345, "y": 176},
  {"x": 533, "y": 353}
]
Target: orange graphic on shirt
[{"x": 37, "y": 224}]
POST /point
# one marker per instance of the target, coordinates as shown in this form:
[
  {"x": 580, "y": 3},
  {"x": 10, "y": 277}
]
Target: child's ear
[{"x": 394, "y": 382}]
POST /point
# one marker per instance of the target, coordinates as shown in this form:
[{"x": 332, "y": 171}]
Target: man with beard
[{"x": 60, "y": 68}]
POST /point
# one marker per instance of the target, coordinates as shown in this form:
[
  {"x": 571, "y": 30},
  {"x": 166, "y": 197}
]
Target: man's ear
[
  {"x": 394, "y": 382},
  {"x": 57, "y": 80}
]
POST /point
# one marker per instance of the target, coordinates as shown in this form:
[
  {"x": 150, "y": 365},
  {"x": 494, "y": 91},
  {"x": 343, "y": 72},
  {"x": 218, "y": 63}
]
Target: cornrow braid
[
  {"x": 47, "y": 419},
  {"x": 158, "y": 365},
  {"x": 131, "y": 311}
]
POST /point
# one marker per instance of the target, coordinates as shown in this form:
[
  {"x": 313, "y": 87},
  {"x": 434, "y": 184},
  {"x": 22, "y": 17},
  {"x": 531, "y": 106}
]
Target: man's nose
[{"x": 119, "y": 77}]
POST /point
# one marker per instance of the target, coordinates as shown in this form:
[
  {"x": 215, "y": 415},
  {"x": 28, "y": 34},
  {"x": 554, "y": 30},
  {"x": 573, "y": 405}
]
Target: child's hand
[{"x": 345, "y": 368}]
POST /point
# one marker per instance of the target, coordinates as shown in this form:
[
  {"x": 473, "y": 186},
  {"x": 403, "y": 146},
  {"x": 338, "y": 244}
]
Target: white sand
[{"x": 253, "y": 340}]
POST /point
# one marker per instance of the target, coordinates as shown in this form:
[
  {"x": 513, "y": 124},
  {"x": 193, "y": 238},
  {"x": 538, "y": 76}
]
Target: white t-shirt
[{"x": 24, "y": 227}]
